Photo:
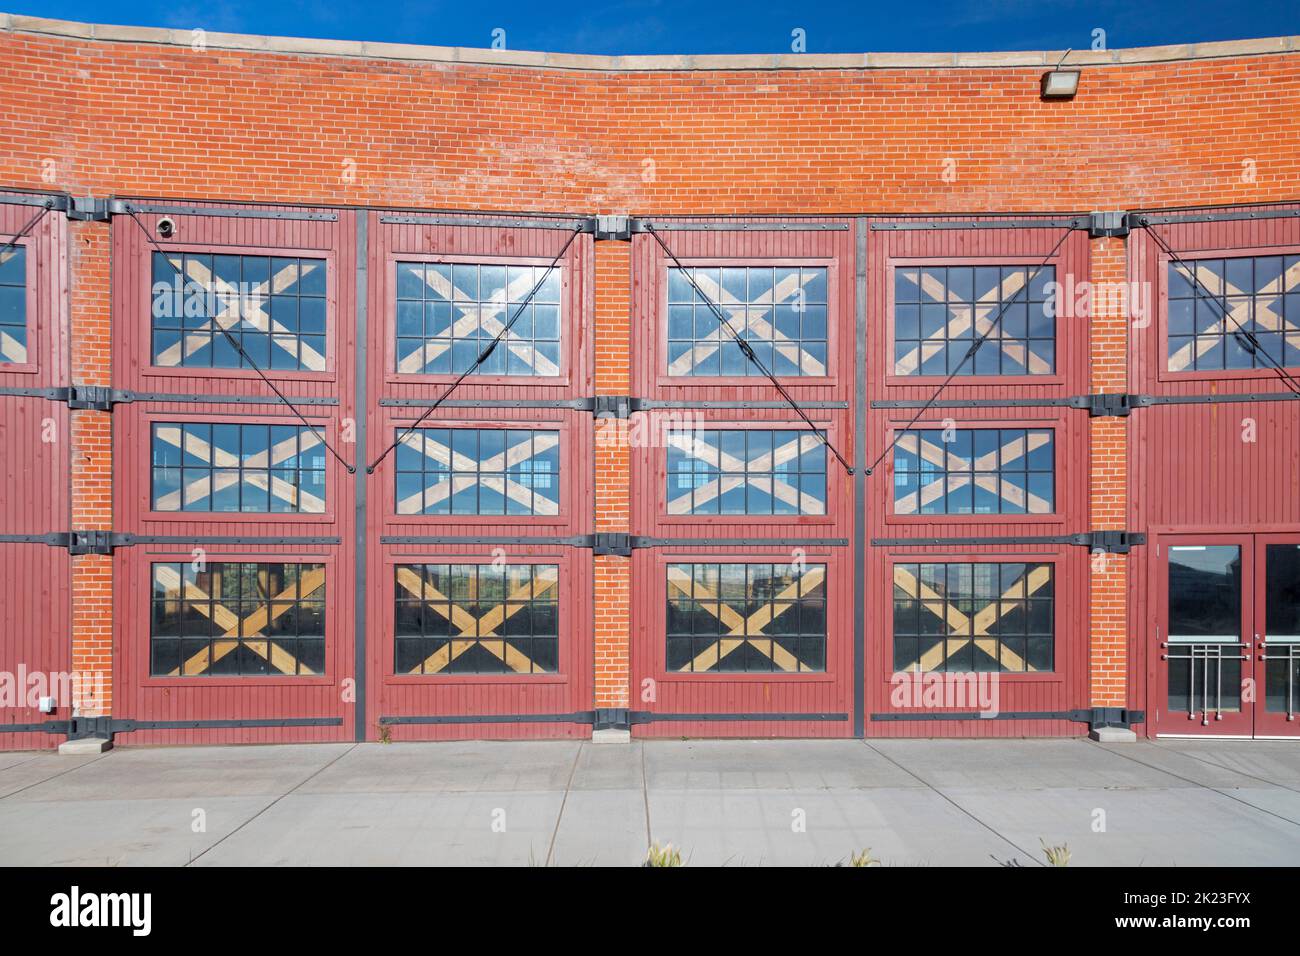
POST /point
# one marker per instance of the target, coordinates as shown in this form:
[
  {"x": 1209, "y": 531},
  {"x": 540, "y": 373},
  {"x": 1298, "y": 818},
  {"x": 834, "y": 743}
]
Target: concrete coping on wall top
[{"x": 15, "y": 23}]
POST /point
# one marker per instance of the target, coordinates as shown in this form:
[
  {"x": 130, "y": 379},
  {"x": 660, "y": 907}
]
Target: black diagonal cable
[
  {"x": 970, "y": 353},
  {"x": 1242, "y": 335},
  {"x": 235, "y": 344},
  {"x": 482, "y": 356},
  {"x": 31, "y": 224},
  {"x": 747, "y": 350}
]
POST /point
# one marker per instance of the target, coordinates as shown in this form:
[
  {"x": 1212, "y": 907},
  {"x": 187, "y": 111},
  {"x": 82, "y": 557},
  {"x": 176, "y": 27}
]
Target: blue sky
[{"x": 722, "y": 26}]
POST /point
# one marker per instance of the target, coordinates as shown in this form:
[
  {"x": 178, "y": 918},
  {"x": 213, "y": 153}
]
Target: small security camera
[{"x": 166, "y": 228}]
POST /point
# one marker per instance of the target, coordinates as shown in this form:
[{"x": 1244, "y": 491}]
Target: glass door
[{"x": 1205, "y": 671}]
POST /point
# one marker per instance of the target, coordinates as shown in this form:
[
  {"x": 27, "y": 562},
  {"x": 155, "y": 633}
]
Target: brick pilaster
[
  {"x": 613, "y": 575},
  {"x": 92, "y": 467},
  {"x": 1108, "y": 476}
]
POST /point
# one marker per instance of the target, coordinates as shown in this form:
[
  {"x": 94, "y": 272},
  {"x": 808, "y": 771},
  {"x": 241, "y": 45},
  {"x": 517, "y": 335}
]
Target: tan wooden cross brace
[
  {"x": 970, "y": 628},
  {"x": 233, "y": 626},
  {"x": 473, "y": 630},
  {"x": 738, "y": 313},
  {"x": 746, "y": 630}
]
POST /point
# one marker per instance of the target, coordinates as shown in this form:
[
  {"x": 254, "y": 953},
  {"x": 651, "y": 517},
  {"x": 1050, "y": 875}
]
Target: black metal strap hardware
[
  {"x": 1095, "y": 716},
  {"x": 1074, "y": 222},
  {"x": 1111, "y": 542},
  {"x": 106, "y": 542},
  {"x": 101, "y": 398}
]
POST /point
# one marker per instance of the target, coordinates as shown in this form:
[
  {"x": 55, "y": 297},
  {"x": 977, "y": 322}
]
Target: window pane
[
  {"x": 743, "y": 617},
  {"x": 781, "y": 312},
  {"x": 476, "y": 619},
  {"x": 1231, "y": 314},
  {"x": 1282, "y": 588},
  {"x": 236, "y": 467},
  {"x": 940, "y": 311},
  {"x": 480, "y": 471},
  {"x": 237, "y": 619},
  {"x": 990, "y": 616},
  {"x": 975, "y": 471},
  {"x": 270, "y": 310},
  {"x": 745, "y": 471},
  {"x": 13, "y": 306},
  {"x": 447, "y": 314},
  {"x": 1205, "y": 593}
]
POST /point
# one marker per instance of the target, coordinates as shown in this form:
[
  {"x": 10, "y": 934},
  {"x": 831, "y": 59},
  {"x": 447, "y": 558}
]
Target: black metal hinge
[
  {"x": 89, "y": 209},
  {"x": 1109, "y": 405},
  {"x": 1102, "y": 225},
  {"x": 91, "y": 542},
  {"x": 617, "y": 228},
  {"x": 95, "y": 397},
  {"x": 1111, "y": 542},
  {"x": 612, "y": 406},
  {"x": 615, "y": 543}
]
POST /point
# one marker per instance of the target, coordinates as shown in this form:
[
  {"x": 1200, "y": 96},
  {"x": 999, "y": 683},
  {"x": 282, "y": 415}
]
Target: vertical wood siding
[{"x": 35, "y": 580}]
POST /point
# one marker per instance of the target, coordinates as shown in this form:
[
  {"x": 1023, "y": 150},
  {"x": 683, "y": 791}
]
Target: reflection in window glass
[
  {"x": 939, "y": 311},
  {"x": 477, "y": 619},
  {"x": 447, "y": 314},
  {"x": 968, "y": 617},
  {"x": 746, "y": 617},
  {"x": 13, "y": 306},
  {"x": 237, "y": 619},
  {"x": 975, "y": 471},
  {"x": 781, "y": 311},
  {"x": 228, "y": 466},
  {"x": 273, "y": 306},
  {"x": 1211, "y": 301},
  {"x": 746, "y": 471},
  {"x": 478, "y": 471},
  {"x": 1205, "y": 593},
  {"x": 1282, "y": 624}
]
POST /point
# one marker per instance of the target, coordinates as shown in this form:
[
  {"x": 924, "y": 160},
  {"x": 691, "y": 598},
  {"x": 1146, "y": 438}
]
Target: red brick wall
[
  {"x": 92, "y": 456},
  {"x": 164, "y": 121},
  {"x": 150, "y": 120},
  {"x": 1108, "y": 469},
  {"x": 613, "y": 578}
]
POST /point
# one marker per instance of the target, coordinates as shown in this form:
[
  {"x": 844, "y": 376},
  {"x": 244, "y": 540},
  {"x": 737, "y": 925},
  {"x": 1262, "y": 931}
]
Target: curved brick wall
[{"x": 156, "y": 118}]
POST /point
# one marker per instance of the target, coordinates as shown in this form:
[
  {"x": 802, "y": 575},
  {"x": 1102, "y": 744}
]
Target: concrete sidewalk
[{"x": 920, "y": 802}]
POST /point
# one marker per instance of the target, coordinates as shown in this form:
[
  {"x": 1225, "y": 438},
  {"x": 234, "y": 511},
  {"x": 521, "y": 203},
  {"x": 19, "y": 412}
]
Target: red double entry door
[{"x": 1228, "y": 636}]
